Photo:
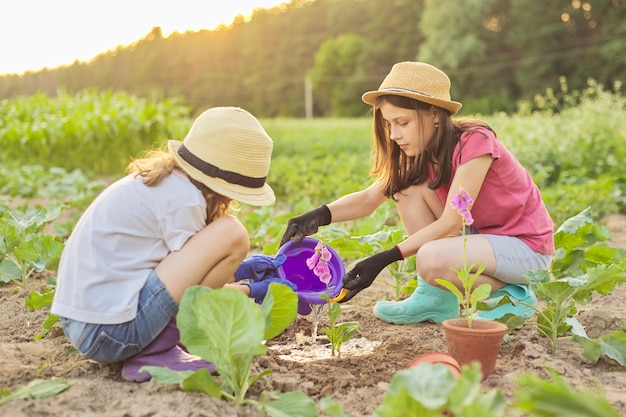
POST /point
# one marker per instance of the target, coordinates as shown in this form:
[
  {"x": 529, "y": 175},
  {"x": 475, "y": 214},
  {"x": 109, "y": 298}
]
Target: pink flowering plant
[
  {"x": 336, "y": 333},
  {"x": 470, "y": 296}
]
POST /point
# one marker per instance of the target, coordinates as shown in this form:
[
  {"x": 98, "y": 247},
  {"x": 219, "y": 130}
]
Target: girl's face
[{"x": 411, "y": 130}]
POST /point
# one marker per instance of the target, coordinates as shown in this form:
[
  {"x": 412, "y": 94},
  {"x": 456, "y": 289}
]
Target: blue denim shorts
[{"x": 110, "y": 343}]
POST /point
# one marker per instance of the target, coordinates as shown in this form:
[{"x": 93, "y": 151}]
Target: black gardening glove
[
  {"x": 306, "y": 224},
  {"x": 364, "y": 272}
]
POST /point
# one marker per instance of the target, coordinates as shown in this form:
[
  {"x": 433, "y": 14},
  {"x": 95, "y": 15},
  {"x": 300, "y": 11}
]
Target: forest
[{"x": 315, "y": 58}]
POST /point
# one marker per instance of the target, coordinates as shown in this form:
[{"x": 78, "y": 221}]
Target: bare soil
[{"x": 358, "y": 382}]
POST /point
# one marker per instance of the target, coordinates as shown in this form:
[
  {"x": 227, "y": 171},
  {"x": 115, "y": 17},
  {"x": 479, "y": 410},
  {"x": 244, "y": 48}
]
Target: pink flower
[
  {"x": 318, "y": 262},
  {"x": 322, "y": 271},
  {"x": 462, "y": 202},
  {"x": 325, "y": 254},
  {"x": 312, "y": 261}
]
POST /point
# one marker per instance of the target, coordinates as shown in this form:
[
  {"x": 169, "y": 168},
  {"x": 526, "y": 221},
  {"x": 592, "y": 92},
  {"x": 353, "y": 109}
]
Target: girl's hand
[{"x": 365, "y": 272}]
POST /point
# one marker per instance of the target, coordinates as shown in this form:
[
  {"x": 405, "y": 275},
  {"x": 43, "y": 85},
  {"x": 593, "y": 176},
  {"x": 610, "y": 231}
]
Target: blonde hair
[{"x": 156, "y": 164}]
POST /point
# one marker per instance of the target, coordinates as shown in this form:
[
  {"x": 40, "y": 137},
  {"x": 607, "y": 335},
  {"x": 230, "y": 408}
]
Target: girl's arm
[
  {"x": 356, "y": 205},
  {"x": 471, "y": 176}
]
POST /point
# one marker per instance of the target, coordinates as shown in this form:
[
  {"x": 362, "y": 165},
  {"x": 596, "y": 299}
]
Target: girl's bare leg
[
  {"x": 208, "y": 258},
  {"x": 418, "y": 206},
  {"x": 437, "y": 258}
]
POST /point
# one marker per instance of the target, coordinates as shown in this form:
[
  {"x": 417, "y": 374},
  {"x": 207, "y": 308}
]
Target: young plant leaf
[
  {"x": 38, "y": 388},
  {"x": 291, "y": 404},
  {"x": 203, "y": 381},
  {"x": 221, "y": 326},
  {"x": 555, "y": 398},
  {"x": 280, "y": 308}
]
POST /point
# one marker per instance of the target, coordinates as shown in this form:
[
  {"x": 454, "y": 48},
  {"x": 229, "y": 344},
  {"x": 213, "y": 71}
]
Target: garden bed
[{"x": 357, "y": 381}]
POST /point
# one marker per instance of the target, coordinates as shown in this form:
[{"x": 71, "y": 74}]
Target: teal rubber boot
[
  {"x": 427, "y": 303},
  {"x": 521, "y": 293}
]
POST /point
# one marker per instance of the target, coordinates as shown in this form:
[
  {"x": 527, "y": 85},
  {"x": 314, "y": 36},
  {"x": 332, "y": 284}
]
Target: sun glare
[{"x": 43, "y": 33}]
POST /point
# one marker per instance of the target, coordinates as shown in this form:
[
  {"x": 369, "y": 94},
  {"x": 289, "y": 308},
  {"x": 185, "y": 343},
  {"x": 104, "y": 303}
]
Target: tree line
[{"x": 496, "y": 52}]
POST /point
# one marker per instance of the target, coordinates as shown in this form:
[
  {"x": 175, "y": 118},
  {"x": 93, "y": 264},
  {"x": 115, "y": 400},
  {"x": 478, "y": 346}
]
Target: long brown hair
[
  {"x": 157, "y": 164},
  {"x": 394, "y": 169}
]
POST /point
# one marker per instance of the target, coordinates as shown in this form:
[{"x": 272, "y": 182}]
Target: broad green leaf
[
  {"x": 426, "y": 384},
  {"x": 469, "y": 399},
  {"x": 291, "y": 404},
  {"x": 612, "y": 345},
  {"x": 41, "y": 251},
  {"x": 280, "y": 308},
  {"x": 203, "y": 381},
  {"x": 38, "y": 388},
  {"x": 331, "y": 408},
  {"x": 571, "y": 225},
  {"x": 221, "y": 325},
  {"x": 428, "y": 389},
  {"x": 166, "y": 375},
  {"x": 9, "y": 270},
  {"x": 556, "y": 398},
  {"x": 37, "y": 300}
]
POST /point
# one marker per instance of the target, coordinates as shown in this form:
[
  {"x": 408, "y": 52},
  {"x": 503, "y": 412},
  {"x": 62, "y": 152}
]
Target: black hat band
[{"x": 215, "y": 172}]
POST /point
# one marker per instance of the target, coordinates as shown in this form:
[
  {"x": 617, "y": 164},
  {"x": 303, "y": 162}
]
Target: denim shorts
[
  {"x": 110, "y": 343},
  {"x": 514, "y": 259}
]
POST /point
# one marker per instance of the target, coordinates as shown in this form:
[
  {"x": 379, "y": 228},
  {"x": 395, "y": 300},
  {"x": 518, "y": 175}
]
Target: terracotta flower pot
[
  {"x": 480, "y": 343},
  {"x": 441, "y": 358}
]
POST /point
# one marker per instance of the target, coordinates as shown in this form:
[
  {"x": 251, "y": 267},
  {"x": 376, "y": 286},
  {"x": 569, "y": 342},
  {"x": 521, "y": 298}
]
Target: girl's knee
[
  {"x": 430, "y": 263},
  {"x": 233, "y": 233}
]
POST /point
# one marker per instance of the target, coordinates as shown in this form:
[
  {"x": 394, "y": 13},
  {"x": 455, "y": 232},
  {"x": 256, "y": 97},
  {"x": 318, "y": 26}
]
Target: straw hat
[
  {"x": 228, "y": 150},
  {"x": 418, "y": 81}
]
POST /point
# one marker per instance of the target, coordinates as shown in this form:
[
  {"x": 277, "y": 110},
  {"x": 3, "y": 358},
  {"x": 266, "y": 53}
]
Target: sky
[{"x": 48, "y": 33}]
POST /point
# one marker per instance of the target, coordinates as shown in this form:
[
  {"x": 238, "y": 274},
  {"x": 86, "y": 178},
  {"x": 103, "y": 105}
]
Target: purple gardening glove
[
  {"x": 259, "y": 267},
  {"x": 258, "y": 290}
]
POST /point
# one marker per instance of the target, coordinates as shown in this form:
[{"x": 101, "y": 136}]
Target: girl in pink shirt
[{"x": 422, "y": 158}]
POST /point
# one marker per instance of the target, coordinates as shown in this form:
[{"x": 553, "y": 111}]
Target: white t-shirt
[{"x": 122, "y": 236}]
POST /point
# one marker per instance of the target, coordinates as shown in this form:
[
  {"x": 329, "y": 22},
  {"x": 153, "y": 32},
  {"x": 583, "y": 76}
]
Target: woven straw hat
[
  {"x": 418, "y": 81},
  {"x": 228, "y": 150}
]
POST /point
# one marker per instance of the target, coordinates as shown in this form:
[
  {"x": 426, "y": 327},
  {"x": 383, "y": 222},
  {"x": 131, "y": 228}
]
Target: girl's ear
[{"x": 434, "y": 114}]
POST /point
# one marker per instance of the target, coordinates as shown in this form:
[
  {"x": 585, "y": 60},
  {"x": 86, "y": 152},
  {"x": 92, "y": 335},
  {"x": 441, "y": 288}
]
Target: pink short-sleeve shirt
[{"x": 509, "y": 202}]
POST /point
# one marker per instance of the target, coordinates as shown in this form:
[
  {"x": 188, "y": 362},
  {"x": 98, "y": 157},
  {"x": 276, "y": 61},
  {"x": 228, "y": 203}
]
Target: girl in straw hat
[
  {"x": 156, "y": 232},
  {"x": 422, "y": 158}
]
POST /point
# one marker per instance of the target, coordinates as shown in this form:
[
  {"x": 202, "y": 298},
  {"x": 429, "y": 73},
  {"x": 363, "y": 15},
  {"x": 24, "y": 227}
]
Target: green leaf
[
  {"x": 166, "y": 375},
  {"x": 452, "y": 288},
  {"x": 221, "y": 326},
  {"x": 574, "y": 223},
  {"x": 203, "y": 381},
  {"x": 38, "y": 388},
  {"x": 48, "y": 323},
  {"x": 612, "y": 345},
  {"x": 291, "y": 404},
  {"x": 555, "y": 398},
  {"x": 280, "y": 308},
  {"x": 37, "y": 300},
  {"x": 482, "y": 292},
  {"x": 9, "y": 270},
  {"x": 41, "y": 251},
  {"x": 331, "y": 408}
]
